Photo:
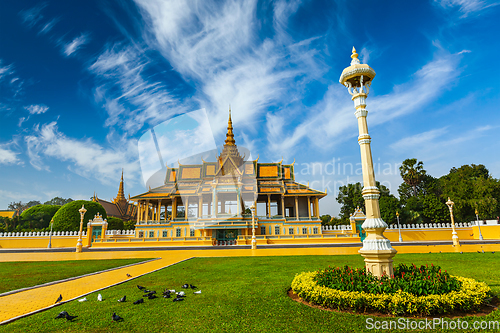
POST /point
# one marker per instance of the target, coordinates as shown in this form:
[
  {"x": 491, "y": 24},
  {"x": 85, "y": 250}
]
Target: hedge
[
  {"x": 67, "y": 217},
  {"x": 469, "y": 298}
]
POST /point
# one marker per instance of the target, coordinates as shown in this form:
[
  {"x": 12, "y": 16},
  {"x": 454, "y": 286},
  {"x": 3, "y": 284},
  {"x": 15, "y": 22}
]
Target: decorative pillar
[
  {"x": 268, "y": 206},
  {"x": 283, "y": 209},
  {"x": 316, "y": 207},
  {"x": 186, "y": 208},
  {"x": 147, "y": 211},
  {"x": 296, "y": 207},
  {"x": 200, "y": 206},
  {"x": 309, "y": 206},
  {"x": 138, "y": 212},
  {"x": 377, "y": 249},
  {"x": 174, "y": 208}
]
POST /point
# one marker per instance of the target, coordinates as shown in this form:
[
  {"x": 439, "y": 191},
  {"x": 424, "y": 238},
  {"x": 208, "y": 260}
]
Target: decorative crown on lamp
[{"x": 357, "y": 77}]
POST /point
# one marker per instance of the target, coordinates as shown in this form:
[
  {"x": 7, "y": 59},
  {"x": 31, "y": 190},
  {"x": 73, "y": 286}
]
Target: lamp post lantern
[
  {"x": 377, "y": 249},
  {"x": 399, "y": 227},
  {"x": 477, "y": 219},
  {"x": 50, "y": 235},
  {"x": 254, "y": 241},
  {"x": 79, "y": 243},
  {"x": 454, "y": 236}
]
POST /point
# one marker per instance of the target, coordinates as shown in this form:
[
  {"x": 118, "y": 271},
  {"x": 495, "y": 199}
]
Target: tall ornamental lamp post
[
  {"x": 477, "y": 219},
  {"x": 454, "y": 236},
  {"x": 399, "y": 227},
  {"x": 377, "y": 249},
  {"x": 254, "y": 241},
  {"x": 50, "y": 235},
  {"x": 79, "y": 243}
]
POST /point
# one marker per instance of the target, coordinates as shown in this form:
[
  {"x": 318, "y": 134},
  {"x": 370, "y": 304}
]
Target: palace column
[
  {"x": 283, "y": 210},
  {"x": 200, "y": 206},
  {"x": 174, "y": 208},
  {"x": 138, "y": 212},
  {"x": 316, "y": 207},
  {"x": 377, "y": 249},
  {"x": 147, "y": 211},
  {"x": 309, "y": 206},
  {"x": 296, "y": 207},
  {"x": 268, "y": 206},
  {"x": 186, "y": 208}
]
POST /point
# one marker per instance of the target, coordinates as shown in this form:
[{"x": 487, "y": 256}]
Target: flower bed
[{"x": 469, "y": 296}]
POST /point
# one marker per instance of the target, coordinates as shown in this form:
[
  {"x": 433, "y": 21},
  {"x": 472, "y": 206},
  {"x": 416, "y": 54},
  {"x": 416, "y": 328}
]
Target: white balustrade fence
[
  {"x": 41, "y": 234},
  {"x": 406, "y": 226}
]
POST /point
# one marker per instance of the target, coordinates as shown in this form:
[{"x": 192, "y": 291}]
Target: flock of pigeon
[{"x": 150, "y": 294}]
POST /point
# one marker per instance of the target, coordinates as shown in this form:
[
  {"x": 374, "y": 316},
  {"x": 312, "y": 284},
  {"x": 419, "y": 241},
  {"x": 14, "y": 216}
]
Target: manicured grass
[
  {"x": 246, "y": 294},
  {"x": 17, "y": 275}
]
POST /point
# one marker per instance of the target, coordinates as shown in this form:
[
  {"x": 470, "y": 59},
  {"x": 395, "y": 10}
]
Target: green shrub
[
  {"x": 129, "y": 225},
  {"x": 469, "y": 298},
  {"x": 115, "y": 223},
  {"x": 419, "y": 281},
  {"x": 67, "y": 217}
]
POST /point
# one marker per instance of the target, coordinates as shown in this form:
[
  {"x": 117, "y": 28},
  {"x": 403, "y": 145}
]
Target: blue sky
[{"x": 82, "y": 81}]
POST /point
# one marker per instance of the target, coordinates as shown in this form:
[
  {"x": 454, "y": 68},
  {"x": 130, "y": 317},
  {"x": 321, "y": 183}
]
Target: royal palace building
[{"x": 210, "y": 203}]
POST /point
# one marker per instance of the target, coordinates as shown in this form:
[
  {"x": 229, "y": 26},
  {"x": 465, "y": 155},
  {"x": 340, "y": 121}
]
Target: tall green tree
[
  {"x": 58, "y": 201},
  {"x": 412, "y": 172},
  {"x": 350, "y": 197},
  {"x": 471, "y": 187}
]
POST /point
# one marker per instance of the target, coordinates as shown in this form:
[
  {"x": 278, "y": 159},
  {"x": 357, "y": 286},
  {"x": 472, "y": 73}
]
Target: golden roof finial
[
  {"x": 230, "y": 136},
  {"x": 354, "y": 54},
  {"x": 121, "y": 193},
  {"x": 354, "y": 57}
]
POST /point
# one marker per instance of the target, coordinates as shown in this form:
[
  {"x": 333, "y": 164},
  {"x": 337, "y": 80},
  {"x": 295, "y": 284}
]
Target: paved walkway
[{"x": 30, "y": 301}]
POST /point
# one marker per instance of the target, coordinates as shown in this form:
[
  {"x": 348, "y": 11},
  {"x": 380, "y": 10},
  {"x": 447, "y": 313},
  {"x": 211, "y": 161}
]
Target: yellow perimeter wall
[{"x": 489, "y": 232}]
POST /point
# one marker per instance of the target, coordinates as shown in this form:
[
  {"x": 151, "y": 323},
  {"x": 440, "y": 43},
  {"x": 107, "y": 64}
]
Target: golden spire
[
  {"x": 230, "y": 136},
  {"x": 354, "y": 54},
  {"x": 354, "y": 57},
  {"x": 121, "y": 194}
]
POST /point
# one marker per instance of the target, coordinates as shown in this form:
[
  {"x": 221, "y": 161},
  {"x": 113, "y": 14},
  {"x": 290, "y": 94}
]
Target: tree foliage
[
  {"x": 115, "y": 223},
  {"x": 412, "y": 172},
  {"x": 67, "y": 217},
  {"x": 58, "y": 201},
  {"x": 351, "y": 197}
]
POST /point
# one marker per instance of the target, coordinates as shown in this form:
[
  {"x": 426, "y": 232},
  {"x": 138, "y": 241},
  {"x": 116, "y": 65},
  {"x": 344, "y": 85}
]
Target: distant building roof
[{"x": 8, "y": 213}]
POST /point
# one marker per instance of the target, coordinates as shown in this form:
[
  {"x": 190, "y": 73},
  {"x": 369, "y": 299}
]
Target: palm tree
[{"x": 412, "y": 173}]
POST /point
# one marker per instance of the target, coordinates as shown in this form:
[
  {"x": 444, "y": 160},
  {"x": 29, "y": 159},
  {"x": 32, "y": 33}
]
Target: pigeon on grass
[
  {"x": 99, "y": 298},
  {"x": 177, "y": 299},
  {"x": 82, "y": 299},
  {"x": 185, "y": 286},
  {"x": 141, "y": 287},
  {"x": 116, "y": 317},
  {"x": 59, "y": 299},
  {"x": 70, "y": 318},
  {"x": 193, "y": 287},
  {"x": 62, "y": 315},
  {"x": 123, "y": 299},
  {"x": 197, "y": 292},
  {"x": 139, "y": 301}
]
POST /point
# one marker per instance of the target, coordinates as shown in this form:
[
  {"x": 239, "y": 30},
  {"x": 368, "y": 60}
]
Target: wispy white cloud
[
  {"x": 75, "y": 44},
  {"x": 131, "y": 97},
  {"x": 37, "y": 109},
  {"x": 467, "y": 7},
  {"x": 7, "y": 155},
  {"x": 86, "y": 157},
  {"x": 33, "y": 15},
  {"x": 47, "y": 27},
  {"x": 215, "y": 46},
  {"x": 419, "y": 140}
]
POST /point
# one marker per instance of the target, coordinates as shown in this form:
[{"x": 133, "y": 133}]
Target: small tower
[{"x": 377, "y": 249}]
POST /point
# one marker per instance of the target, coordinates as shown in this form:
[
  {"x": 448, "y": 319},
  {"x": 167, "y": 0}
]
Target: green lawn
[
  {"x": 17, "y": 275},
  {"x": 244, "y": 294}
]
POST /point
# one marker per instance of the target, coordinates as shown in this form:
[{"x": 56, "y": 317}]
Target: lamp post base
[
  {"x": 455, "y": 240},
  {"x": 379, "y": 262},
  {"x": 79, "y": 245}
]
